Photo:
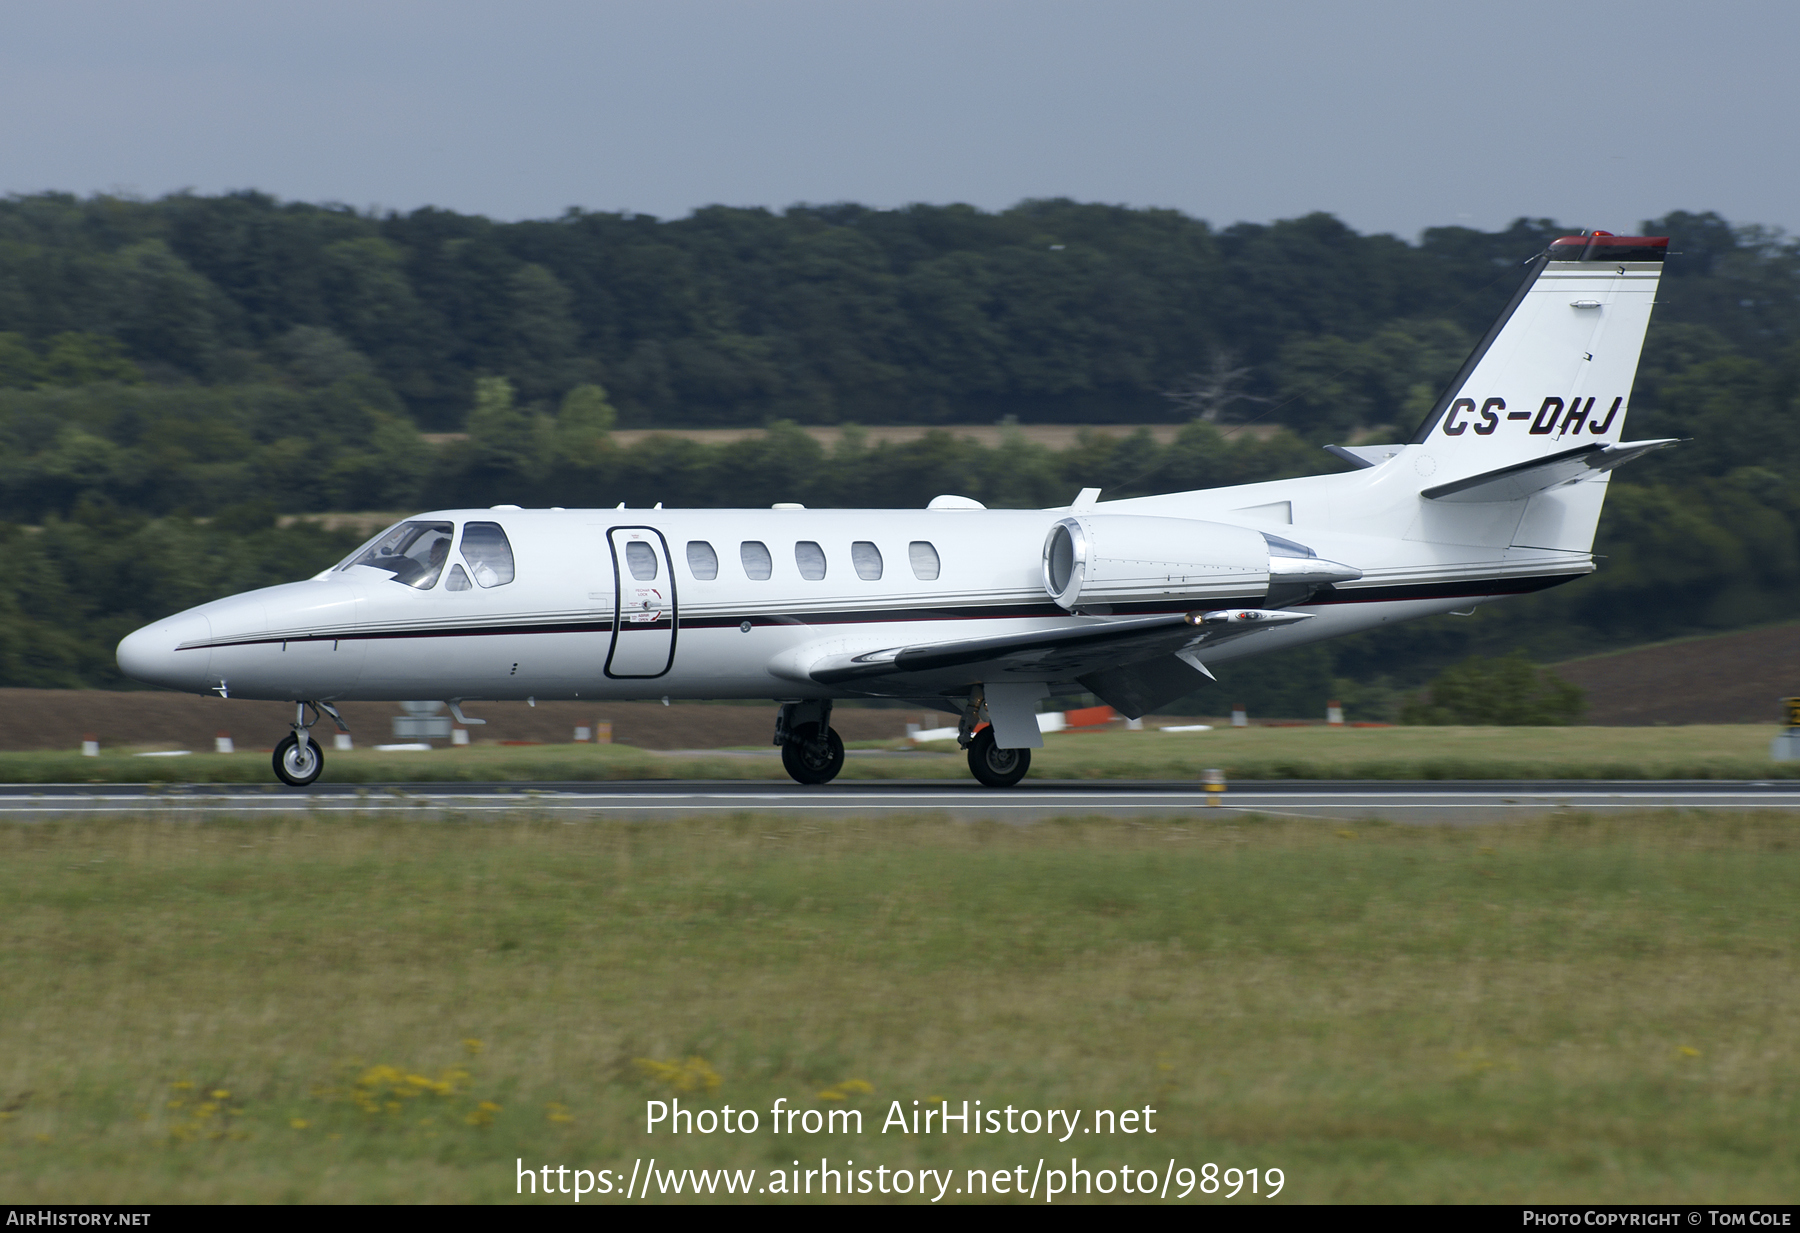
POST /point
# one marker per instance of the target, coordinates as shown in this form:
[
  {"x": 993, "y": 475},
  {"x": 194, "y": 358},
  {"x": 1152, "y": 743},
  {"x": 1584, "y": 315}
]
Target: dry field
[
  {"x": 1725, "y": 679},
  {"x": 47, "y": 719}
]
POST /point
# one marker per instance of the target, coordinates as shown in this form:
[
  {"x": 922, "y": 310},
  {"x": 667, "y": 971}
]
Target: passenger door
[{"x": 644, "y": 615}]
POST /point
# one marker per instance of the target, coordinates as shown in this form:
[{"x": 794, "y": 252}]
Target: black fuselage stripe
[{"x": 1470, "y": 589}]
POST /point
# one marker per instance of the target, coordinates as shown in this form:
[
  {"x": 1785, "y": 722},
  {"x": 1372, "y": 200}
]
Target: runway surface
[{"x": 1434, "y": 802}]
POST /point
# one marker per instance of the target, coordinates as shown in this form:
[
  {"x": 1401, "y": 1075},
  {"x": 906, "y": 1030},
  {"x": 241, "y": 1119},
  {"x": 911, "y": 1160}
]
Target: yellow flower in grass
[{"x": 690, "y": 1075}]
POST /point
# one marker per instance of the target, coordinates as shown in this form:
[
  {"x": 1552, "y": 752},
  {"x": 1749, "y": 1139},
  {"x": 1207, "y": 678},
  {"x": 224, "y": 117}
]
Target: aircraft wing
[{"x": 1132, "y": 663}]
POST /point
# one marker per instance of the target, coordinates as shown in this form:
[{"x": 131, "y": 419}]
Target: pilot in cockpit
[{"x": 415, "y": 554}]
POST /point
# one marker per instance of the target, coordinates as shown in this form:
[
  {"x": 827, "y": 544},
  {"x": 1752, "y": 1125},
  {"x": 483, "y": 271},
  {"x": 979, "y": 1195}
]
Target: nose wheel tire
[
  {"x": 996, "y": 767},
  {"x": 297, "y": 769},
  {"x": 809, "y": 762}
]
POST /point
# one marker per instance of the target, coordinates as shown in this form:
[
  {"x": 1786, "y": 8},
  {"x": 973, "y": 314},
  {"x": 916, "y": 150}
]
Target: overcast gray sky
[{"x": 1393, "y": 116}]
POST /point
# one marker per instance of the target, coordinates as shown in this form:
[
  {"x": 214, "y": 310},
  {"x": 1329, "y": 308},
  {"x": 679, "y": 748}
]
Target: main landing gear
[
  {"x": 811, "y": 751},
  {"x": 992, "y": 766},
  {"x": 996, "y": 767},
  {"x": 298, "y": 758}
]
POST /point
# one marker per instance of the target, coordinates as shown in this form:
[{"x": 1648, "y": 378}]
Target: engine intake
[{"x": 1101, "y": 560}]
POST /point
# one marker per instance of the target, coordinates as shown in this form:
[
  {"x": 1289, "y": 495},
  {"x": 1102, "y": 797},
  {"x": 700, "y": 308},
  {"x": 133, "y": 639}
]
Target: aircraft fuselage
[{"x": 575, "y": 623}]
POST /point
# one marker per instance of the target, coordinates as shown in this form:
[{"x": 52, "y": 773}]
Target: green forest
[{"x": 178, "y": 375}]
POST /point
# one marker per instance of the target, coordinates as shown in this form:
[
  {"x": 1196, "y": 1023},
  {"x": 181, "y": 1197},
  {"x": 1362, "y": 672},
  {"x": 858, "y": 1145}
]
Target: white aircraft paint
[{"x": 978, "y": 611}]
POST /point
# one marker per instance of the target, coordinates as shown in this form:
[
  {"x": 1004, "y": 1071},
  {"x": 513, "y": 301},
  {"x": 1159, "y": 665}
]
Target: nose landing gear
[
  {"x": 298, "y": 765},
  {"x": 298, "y": 758}
]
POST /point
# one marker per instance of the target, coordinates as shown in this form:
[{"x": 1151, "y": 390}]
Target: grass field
[
  {"x": 1573, "y": 1010},
  {"x": 1723, "y": 751}
]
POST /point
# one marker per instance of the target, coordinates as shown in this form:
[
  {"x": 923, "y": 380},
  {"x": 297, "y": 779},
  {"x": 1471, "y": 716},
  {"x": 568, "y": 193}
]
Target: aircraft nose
[{"x": 154, "y": 656}]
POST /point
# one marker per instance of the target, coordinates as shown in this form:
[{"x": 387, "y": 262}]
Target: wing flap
[{"x": 1136, "y": 689}]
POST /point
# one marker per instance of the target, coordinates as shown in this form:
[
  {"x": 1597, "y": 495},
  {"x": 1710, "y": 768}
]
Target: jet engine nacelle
[{"x": 1104, "y": 559}]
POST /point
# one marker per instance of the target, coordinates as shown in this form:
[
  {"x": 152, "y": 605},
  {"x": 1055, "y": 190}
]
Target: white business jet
[{"x": 974, "y": 611}]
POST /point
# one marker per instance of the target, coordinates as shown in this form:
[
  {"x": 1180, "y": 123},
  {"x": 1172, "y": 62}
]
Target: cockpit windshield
[{"x": 413, "y": 552}]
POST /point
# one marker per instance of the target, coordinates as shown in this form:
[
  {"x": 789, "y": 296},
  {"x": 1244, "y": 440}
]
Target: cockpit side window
[
  {"x": 413, "y": 552},
  {"x": 488, "y": 552},
  {"x": 458, "y": 581}
]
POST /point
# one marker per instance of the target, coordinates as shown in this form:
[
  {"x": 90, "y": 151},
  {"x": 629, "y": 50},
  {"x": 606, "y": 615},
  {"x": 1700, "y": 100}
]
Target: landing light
[{"x": 1246, "y": 616}]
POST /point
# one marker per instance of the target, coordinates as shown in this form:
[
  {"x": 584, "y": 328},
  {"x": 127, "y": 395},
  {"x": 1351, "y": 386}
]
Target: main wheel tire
[
  {"x": 809, "y": 764},
  {"x": 294, "y": 769},
  {"x": 996, "y": 767}
]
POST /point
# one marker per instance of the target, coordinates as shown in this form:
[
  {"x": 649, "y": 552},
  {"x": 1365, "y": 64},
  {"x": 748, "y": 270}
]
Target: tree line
[{"x": 1050, "y": 311}]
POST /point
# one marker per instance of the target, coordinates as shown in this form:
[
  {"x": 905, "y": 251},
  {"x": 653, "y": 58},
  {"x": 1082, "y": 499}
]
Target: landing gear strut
[
  {"x": 298, "y": 758},
  {"x": 991, "y": 765},
  {"x": 811, "y": 751}
]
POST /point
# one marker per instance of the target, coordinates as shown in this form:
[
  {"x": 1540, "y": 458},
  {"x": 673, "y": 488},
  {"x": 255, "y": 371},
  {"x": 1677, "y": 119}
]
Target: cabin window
[
  {"x": 640, "y": 559},
  {"x": 458, "y": 581},
  {"x": 758, "y": 563},
  {"x": 811, "y": 560},
  {"x": 703, "y": 562},
  {"x": 866, "y": 557},
  {"x": 488, "y": 552},
  {"x": 413, "y": 552},
  {"x": 924, "y": 560}
]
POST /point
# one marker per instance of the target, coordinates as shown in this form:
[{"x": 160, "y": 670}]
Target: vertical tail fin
[
  {"x": 1537, "y": 412},
  {"x": 1556, "y": 369}
]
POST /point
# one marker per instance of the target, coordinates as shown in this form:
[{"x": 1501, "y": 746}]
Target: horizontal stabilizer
[
  {"x": 1361, "y": 456},
  {"x": 1521, "y": 480}
]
